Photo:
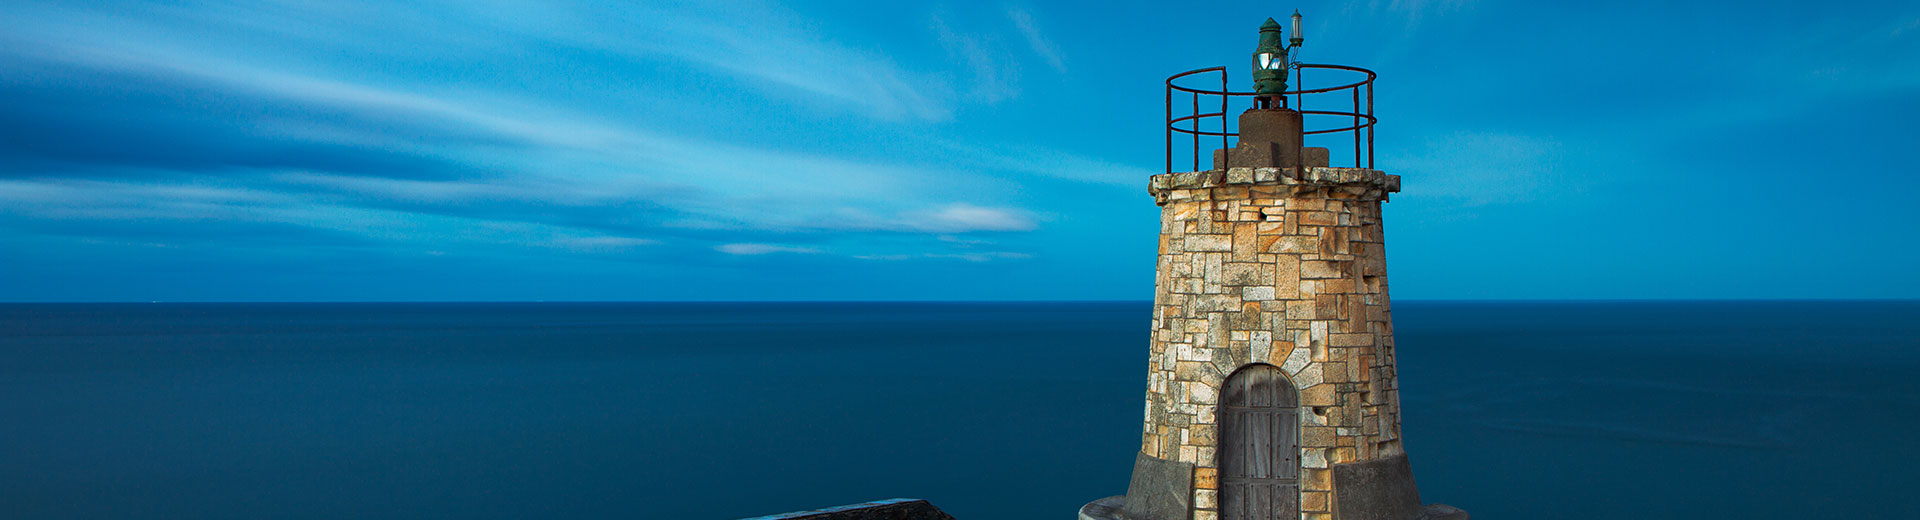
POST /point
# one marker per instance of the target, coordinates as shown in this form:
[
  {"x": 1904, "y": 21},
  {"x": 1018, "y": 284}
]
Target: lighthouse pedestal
[{"x": 1272, "y": 389}]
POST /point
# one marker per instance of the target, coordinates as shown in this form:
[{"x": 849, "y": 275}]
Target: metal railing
[{"x": 1362, "y": 120}]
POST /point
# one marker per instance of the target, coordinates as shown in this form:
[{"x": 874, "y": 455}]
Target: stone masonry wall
[{"x": 1269, "y": 266}]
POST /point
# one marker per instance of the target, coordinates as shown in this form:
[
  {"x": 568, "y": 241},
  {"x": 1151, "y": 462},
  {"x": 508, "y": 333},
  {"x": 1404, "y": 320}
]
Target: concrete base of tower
[
  {"x": 1104, "y": 509},
  {"x": 1111, "y": 508}
]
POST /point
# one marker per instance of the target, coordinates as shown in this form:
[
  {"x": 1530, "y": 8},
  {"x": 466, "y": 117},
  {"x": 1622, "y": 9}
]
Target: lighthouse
[{"x": 1272, "y": 390}]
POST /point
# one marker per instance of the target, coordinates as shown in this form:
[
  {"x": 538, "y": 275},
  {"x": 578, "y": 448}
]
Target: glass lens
[{"x": 1268, "y": 61}]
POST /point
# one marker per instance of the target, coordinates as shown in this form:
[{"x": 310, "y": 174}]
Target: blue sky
[{"x": 340, "y": 150}]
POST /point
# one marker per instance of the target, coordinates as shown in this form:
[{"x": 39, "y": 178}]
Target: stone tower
[{"x": 1271, "y": 385}]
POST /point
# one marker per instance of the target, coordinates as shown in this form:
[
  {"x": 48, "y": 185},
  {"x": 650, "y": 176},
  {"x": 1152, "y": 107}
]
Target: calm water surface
[{"x": 1680, "y": 410}]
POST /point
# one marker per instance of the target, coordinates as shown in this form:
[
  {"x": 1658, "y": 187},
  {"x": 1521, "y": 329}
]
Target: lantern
[{"x": 1270, "y": 62}]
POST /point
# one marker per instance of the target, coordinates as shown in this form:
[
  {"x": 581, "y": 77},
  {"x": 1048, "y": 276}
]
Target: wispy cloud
[
  {"x": 762, "y": 249},
  {"x": 764, "y": 43},
  {"x": 389, "y": 150},
  {"x": 951, "y": 218},
  {"x": 1047, "y": 162},
  {"x": 970, "y": 257},
  {"x": 991, "y": 79},
  {"x": 960, "y": 218},
  {"x": 602, "y": 244},
  {"x": 1041, "y": 46},
  {"x": 1478, "y": 168}
]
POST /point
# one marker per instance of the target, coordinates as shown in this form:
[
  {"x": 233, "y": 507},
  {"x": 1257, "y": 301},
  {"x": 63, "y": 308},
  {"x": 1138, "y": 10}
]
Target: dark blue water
[{"x": 992, "y": 411}]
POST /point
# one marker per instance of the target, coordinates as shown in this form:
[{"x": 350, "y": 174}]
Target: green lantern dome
[{"x": 1270, "y": 61}]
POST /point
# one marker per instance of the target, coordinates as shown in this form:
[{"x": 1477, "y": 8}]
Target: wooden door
[{"x": 1259, "y": 450}]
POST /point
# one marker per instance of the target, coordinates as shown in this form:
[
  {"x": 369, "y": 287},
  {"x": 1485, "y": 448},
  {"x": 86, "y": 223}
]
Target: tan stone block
[
  {"x": 1326, "y": 307},
  {"x": 1248, "y": 273},
  {"x": 1268, "y": 243},
  {"x": 1315, "y": 218},
  {"x": 1317, "y": 479},
  {"x": 1344, "y": 455},
  {"x": 1317, "y": 395},
  {"x": 1246, "y": 241},
  {"x": 1308, "y": 268},
  {"x": 1286, "y": 277},
  {"x": 1312, "y": 375},
  {"x": 1334, "y": 372},
  {"x": 1310, "y": 418},
  {"x": 1198, "y": 242},
  {"x": 1356, "y": 314},
  {"x": 1208, "y": 303},
  {"x": 1352, "y": 339},
  {"x": 1188, "y": 370},
  {"x": 1314, "y": 501},
  {"x": 1297, "y": 360},
  {"x": 1203, "y": 434},
  {"x": 1313, "y": 458},
  {"x": 1317, "y": 436},
  {"x": 1296, "y": 244},
  {"x": 1183, "y": 210},
  {"x": 1260, "y": 347},
  {"x": 1205, "y": 499},
  {"x": 1206, "y": 478},
  {"x": 1300, "y": 310},
  {"x": 1206, "y": 515}
]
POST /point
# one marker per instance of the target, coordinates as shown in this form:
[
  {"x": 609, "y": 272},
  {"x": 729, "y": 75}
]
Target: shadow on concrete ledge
[{"x": 890, "y": 509}]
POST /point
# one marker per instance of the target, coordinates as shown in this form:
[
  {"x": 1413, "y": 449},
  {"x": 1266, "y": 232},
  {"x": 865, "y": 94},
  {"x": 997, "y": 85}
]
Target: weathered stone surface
[
  {"x": 890, "y": 509},
  {"x": 1104, "y": 509},
  {"x": 1441, "y": 512},
  {"x": 1160, "y": 490},
  {"x": 1379, "y": 489},
  {"x": 1268, "y": 265}
]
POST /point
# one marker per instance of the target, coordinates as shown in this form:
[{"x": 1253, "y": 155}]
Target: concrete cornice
[{"x": 1356, "y": 182}]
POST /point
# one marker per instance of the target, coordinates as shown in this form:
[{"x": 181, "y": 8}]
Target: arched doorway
[{"x": 1259, "y": 450}]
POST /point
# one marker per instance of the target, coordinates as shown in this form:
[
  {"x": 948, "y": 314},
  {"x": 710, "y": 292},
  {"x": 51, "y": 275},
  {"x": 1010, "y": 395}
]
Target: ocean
[{"x": 1513, "y": 410}]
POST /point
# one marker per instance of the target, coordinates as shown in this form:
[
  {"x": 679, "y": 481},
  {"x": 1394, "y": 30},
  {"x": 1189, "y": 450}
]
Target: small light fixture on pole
[
  {"x": 1296, "y": 29},
  {"x": 1270, "y": 62}
]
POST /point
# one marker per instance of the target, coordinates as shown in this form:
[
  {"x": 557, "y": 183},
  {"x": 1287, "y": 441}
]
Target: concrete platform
[
  {"x": 1103, "y": 509},
  {"x": 1109, "y": 509}
]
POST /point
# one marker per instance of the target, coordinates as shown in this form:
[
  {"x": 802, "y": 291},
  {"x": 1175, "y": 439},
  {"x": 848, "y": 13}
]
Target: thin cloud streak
[{"x": 1023, "y": 20}]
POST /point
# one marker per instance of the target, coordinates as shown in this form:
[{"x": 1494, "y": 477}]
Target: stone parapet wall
[
  {"x": 1271, "y": 266},
  {"x": 1373, "y": 184}
]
